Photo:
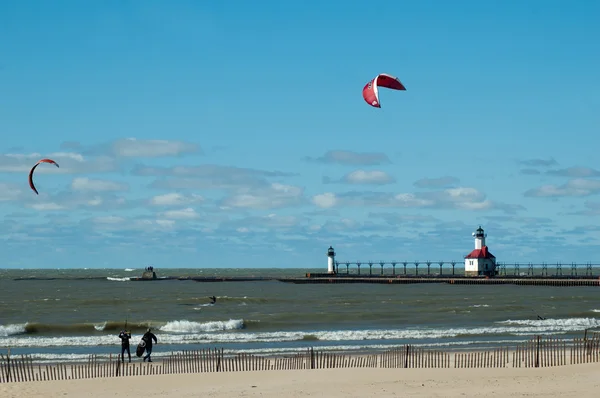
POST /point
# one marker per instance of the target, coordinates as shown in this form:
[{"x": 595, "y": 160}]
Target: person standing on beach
[
  {"x": 148, "y": 337},
  {"x": 125, "y": 336}
]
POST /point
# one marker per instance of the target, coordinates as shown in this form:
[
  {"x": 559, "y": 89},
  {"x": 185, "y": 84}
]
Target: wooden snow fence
[
  {"x": 414, "y": 357},
  {"x": 548, "y": 351},
  {"x": 537, "y": 352},
  {"x": 495, "y": 358}
]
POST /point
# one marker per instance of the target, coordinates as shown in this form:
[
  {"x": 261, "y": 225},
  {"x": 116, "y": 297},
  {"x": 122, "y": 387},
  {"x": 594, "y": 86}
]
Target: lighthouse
[
  {"x": 480, "y": 262},
  {"x": 479, "y": 235},
  {"x": 330, "y": 260}
]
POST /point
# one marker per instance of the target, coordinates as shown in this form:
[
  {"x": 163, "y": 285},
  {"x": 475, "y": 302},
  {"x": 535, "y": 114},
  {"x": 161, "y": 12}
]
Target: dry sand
[{"x": 564, "y": 381}]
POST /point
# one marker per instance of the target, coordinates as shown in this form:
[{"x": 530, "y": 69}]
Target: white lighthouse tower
[
  {"x": 330, "y": 260},
  {"x": 479, "y": 238},
  {"x": 480, "y": 262}
]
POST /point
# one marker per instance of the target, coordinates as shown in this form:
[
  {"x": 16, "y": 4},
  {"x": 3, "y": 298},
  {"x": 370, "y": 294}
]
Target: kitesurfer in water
[
  {"x": 125, "y": 336},
  {"x": 213, "y": 299},
  {"x": 148, "y": 337}
]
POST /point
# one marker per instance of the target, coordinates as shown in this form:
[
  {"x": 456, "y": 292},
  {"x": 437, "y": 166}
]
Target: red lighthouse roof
[{"x": 480, "y": 253}]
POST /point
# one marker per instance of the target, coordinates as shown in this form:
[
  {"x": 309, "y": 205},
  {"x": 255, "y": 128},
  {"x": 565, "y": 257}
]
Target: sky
[{"x": 234, "y": 133}]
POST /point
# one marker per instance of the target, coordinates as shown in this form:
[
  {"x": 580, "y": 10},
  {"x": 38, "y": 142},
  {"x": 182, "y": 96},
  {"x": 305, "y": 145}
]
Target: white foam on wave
[
  {"x": 218, "y": 332},
  {"x": 197, "y": 327},
  {"x": 129, "y": 269},
  {"x": 100, "y": 327},
  {"x": 567, "y": 323},
  {"x": 199, "y": 307},
  {"x": 110, "y": 278},
  {"x": 11, "y": 330},
  {"x": 595, "y": 310}
]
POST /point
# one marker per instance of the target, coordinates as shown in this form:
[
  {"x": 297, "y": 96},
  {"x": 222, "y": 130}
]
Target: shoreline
[{"x": 539, "y": 352}]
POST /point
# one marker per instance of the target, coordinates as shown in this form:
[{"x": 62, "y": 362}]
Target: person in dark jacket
[
  {"x": 148, "y": 337},
  {"x": 125, "y": 336}
]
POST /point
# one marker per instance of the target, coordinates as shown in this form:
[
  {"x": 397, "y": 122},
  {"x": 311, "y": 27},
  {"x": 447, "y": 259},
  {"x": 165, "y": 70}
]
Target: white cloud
[
  {"x": 440, "y": 182},
  {"x": 47, "y": 206},
  {"x": 276, "y": 220},
  {"x": 325, "y": 200},
  {"x": 55, "y": 155},
  {"x": 132, "y": 147},
  {"x": 463, "y": 194},
  {"x": 175, "y": 199},
  {"x": 276, "y": 196},
  {"x": 263, "y": 223},
  {"x": 95, "y": 201},
  {"x": 214, "y": 177},
  {"x": 398, "y": 218},
  {"x": 376, "y": 177},
  {"x": 575, "y": 172},
  {"x": 182, "y": 214},
  {"x": 410, "y": 200},
  {"x": 69, "y": 162},
  {"x": 108, "y": 220},
  {"x": 91, "y": 185},
  {"x": 166, "y": 223},
  {"x": 9, "y": 192},
  {"x": 454, "y": 198},
  {"x": 574, "y": 187},
  {"x": 85, "y": 200},
  {"x": 118, "y": 225}
]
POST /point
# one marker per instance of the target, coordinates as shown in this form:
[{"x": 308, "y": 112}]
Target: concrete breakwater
[
  {"x": 207, "y": 278},
  {"x": 453, "y": 280},
  {"x": 537, "y": 281}
]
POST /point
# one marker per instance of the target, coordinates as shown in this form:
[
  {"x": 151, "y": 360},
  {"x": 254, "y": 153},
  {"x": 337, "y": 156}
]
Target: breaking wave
[
  {"x": 240, "y": 331},
  {"x": 197, "y": 327}
]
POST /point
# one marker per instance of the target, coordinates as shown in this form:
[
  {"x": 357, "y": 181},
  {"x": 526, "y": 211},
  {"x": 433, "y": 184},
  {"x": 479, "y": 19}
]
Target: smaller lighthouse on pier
[
  {"x": 480, "y": 261},
  {"x": 330, "y": 260}
]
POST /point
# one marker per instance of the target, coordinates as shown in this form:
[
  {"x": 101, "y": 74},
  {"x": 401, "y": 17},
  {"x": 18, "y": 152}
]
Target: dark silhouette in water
[{"x": 213, "y": 299}]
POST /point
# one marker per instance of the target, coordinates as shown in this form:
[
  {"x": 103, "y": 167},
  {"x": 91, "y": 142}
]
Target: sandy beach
[{"x": 563, "y": 381}]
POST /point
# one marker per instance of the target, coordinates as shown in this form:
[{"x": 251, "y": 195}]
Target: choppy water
[{"x": 68, "y": 318}]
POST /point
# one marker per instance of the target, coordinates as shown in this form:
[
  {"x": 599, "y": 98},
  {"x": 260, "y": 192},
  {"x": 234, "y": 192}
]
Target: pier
[
  {"x": 448, "y": 268},
  {"x": 457, "y": 280},
  {"x": 411, "y": 272},
  {"x": 405, "y": 272},
  {"x": 579, "y": 275}
]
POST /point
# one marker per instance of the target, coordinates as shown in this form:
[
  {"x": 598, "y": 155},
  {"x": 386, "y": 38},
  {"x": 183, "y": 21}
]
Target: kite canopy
[
  {"x": 371, "y": 89},
  {"x": 34, "y": 167}
]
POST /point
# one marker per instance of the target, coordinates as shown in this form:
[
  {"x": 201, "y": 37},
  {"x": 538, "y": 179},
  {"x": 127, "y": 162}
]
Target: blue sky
[{"x": 234, "y": 133}]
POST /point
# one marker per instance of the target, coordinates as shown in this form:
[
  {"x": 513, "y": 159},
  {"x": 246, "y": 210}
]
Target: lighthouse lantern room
[
  {"x": 480, "y": 262},
  {"x": 330, "y": 260}
]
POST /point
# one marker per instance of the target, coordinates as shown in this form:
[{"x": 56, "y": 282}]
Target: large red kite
[
  {"x": 371, "y": 89},
  {"x": 33, "y": 168}
]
